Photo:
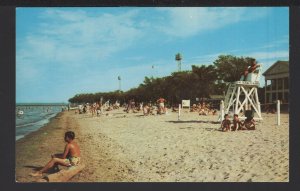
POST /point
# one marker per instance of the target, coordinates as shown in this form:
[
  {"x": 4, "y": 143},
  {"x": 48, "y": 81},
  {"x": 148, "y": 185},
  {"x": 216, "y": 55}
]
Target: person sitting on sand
[
  {"x": 174, "y": 108},
  {"x": 193, "y": 108},
  {"x": 214, "y": 112},
  {"x": 153, "y": 110},
  {"x": 237, "y": 124},
  {"x": 249, "y": 123},
  {"x": 203, "y": 109},
  {"x": 270, "y": 108},
  {"x": 110, "y": 108},
  {"x": 70, "y": 157},
  {"x": 225, "y": 126}
]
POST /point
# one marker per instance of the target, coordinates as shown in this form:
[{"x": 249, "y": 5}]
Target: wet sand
[{"x": 121, "y": 147}]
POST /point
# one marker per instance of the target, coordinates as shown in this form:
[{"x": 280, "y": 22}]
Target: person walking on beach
[
  {"x": 161, "y": 109},
  {"x": 94, "y": 109},
  {"x": 130, "y": 106},
  {"x": 70, "y": 157},
  {"x": 146, "y": 109}
]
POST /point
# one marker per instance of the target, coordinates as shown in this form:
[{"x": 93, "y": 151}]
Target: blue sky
[{"x": 64, "y": 51}]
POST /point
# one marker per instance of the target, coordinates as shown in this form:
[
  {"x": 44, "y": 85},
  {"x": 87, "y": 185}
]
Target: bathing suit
[
  {"x": 73, "y": 161},
  {"x": 161, "y": 104}
]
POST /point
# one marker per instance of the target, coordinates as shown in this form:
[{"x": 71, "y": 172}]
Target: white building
[{"x": 277, "y": 82}]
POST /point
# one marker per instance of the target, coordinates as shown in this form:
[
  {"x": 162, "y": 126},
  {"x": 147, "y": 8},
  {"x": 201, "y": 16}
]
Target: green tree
[
  {"x": 201, "y": 81},
  {"x": 205, "y": 80},
  {"x": 229, "y": 68}
]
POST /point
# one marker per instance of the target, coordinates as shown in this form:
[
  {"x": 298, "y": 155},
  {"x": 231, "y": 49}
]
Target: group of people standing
[
  {"x": 94, "y": 109},
  {"x": 147, "y": 108}
]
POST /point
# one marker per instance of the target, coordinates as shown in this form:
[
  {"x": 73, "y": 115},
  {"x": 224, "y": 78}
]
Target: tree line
[{"x": 199, "y": 82}]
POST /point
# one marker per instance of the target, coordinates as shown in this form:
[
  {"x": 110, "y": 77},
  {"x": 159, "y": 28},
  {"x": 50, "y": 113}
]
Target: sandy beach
[{"x": 121, "y": 147}]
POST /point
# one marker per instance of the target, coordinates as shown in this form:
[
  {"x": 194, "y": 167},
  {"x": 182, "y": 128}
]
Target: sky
[{"x": 61, "y": 52}]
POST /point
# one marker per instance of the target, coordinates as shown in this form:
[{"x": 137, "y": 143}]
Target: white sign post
[
  {"x": 179, "y": 107},
  {"x": 278, "y": 112},
  {"x": 222, "y": 110}
]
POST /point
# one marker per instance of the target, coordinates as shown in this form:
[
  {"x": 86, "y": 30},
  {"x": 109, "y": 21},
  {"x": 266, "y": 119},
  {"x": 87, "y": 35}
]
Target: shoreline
[
  {"x": 121, "y": 147},
  {"x": 43, "y": 125},
  {"x": 33, "y": 150}
]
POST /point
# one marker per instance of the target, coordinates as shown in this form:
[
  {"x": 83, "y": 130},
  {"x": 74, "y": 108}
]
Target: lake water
[{"x": 33, "y": 118}]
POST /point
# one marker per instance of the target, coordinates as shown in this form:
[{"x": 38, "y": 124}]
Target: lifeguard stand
[{"x": 242, "y": 95}]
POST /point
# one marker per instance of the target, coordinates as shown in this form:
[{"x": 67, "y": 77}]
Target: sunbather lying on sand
[
  {"x": 70, "y": 157},
  {"x": 174, "y": 109}
]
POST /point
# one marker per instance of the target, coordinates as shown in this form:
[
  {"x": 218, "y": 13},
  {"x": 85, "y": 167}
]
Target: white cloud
[
  {"x": 284, "y": 41},
  {"x": 204, "y": 59},
  {"x": 269, "y": 55},
  {"x": 74, "y": 39},
  {"x": 189, "y": 21},
  {"x": 79, "y": 44},
  {"x": 104, "y": 33},
  {"x": 267, "y": 58},
  {"x": 75, "y": 15}
]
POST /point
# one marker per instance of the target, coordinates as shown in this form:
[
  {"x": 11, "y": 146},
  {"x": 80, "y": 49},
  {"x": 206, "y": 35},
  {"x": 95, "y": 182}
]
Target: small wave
[
  {"x": 19, "y": 137},
  {"x": 43, "y": 120},
  {"x": 27, "y": 128},
  {"x": 27, "y": 124}
]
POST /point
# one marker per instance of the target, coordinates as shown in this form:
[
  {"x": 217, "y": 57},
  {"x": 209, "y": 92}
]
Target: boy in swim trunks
[
  {"x": 225, "y": 126},
  {"x": 249, "y": 123},
  {"x": 70, "y": 157},
  {"x": 237, "y": 124},
  {"x": 161, "y": 102}
]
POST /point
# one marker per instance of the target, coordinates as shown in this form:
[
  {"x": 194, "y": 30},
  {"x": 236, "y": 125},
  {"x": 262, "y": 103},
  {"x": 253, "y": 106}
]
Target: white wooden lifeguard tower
[{"x": 242, "y": 95}]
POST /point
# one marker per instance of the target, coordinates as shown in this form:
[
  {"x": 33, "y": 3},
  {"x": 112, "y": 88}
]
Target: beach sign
[{"x": 186, "y": 103}]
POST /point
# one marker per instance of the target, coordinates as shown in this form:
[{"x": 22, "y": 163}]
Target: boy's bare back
[{"x": 74, "y": 150}]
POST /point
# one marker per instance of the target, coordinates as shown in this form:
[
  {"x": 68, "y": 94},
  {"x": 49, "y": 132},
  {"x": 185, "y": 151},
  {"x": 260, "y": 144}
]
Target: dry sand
[{"x": 122, "y": 147}]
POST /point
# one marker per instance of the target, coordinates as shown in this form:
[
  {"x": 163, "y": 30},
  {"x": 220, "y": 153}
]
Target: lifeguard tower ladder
[{"x": 242, "y": 95}]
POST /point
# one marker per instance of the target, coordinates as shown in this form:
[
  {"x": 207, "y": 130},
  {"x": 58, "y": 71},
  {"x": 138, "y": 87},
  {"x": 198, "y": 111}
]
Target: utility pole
[{"x": 119, "y": 78}]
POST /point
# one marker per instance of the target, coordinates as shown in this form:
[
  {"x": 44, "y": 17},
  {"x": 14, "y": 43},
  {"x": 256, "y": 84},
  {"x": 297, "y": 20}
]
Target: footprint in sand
[{"x": 226, "y": 174}]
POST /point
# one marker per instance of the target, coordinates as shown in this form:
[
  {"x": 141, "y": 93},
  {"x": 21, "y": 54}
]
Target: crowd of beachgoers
[{"x": 160, "y": 107}]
